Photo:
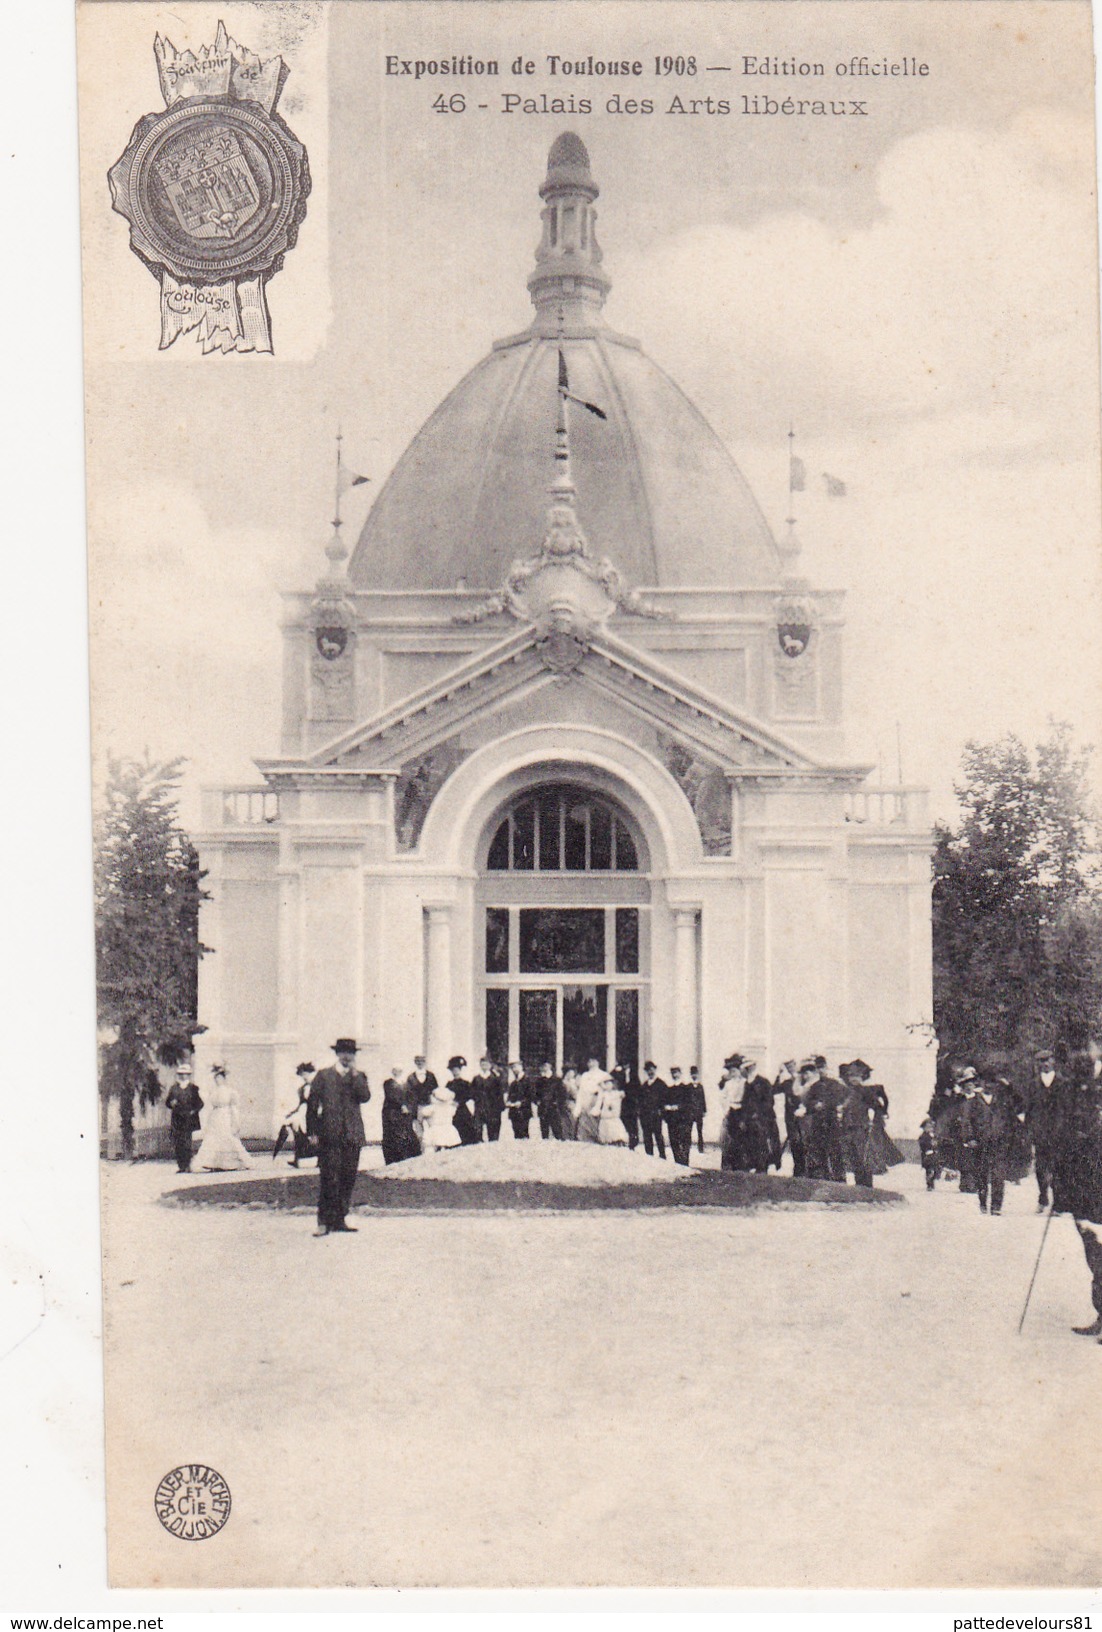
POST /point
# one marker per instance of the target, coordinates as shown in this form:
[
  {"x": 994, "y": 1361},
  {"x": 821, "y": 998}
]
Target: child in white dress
[
  {"x": 437, "y": 1127},
  {"x": 610, "y": 1128}
]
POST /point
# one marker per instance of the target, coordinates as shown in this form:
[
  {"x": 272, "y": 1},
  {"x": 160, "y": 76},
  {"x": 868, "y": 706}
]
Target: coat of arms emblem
[
  {"x": 331, "y": 643},
  {"x": 214, "y": 188},
  {"x": 209, "y": 184},
  {"x": 795, "y": 624},
  {"x": 794, "y": 638}
]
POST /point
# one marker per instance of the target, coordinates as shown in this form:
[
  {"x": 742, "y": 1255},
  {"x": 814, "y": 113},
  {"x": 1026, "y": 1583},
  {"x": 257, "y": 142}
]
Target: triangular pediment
[{"x": 527, "y": 661}]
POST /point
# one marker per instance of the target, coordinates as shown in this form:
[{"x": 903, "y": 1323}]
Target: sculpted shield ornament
[
  {"x": 794, "y": 638},
  {"x": 331, "y": 643},
  {"x": 795, "y": 624},
  {"x": 214, "y": 189}
]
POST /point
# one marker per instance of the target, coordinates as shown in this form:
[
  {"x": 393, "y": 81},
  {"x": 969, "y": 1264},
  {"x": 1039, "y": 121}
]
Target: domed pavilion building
[{"x": 563, "y": 768}]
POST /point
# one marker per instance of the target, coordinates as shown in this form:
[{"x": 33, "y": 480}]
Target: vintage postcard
[{"x": 595, "y": 571}]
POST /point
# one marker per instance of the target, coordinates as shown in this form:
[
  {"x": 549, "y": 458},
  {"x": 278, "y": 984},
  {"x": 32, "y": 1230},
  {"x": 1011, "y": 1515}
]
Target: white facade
[{"x": 762, "y": 897}]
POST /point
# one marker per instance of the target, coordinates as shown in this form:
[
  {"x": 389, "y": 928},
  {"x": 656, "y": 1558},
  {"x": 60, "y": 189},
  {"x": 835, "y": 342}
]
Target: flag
[
  {"x": 797, "y": 475},
  {"x": 564, "y": 387},
  {"x": 836, "y": 489},
  {"x": 348, "y": 478}
]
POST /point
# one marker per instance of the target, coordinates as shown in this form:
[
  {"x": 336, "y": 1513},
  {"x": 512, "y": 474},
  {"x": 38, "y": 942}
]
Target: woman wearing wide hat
[
  {"x": 294, "y": 1123},
  {"x": 466, "y": 1102},
  {"x": 221, "y": 1150}
]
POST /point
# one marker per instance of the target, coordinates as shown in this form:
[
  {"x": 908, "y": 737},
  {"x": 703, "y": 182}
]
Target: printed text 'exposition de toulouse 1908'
[{"x": 676, "y": 66}]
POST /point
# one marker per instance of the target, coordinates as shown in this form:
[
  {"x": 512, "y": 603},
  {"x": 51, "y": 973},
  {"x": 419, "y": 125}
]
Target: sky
[{"x": 915, "y": 292}]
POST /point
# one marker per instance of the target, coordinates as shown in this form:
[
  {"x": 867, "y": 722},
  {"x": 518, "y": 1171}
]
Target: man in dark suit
[
  {"x": 678, "y": 1112},
  {"x": 1077, "y": 1168},
  {"x": 988, "y": 1126},
  {"x": 699, "y": 1100},
  {"x": 1046, "y": 1091},
  {"x": 184, "y": 1104},
  {"x": 489, "y": 1095},
  {"x": 761, "y": 1122},
  {"x": 519, "y": 1094},
  {"x": 786, "y": 1083},
  {"x": 625, "y": 1079},
  {"x": 334, "y": 1119},
  {"x": 420, "y": 1085},
  {"x": 652, "y": 1105},
  {"x": 551, "y": 1104}
]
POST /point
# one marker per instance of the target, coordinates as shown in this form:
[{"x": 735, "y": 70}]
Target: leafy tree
[
  {"x": 1018, "y": 902},
  {"x": 148, "y": 887}
]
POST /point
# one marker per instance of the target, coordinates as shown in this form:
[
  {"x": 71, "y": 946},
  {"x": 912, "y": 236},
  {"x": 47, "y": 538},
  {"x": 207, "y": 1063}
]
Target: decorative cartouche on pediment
[
  {"x": 333, "y": 624},
  {"x": 795, "y": 655},
  {"x": 332, "y": 660},
  {"x": 562, "y": 587}
]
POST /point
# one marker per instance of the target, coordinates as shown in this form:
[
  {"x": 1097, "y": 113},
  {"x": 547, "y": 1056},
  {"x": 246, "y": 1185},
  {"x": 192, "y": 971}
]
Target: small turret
[{"x": 567, "y": 286}]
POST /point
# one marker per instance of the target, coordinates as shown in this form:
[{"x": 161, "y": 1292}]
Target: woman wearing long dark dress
[
  {"x": 881, "y": 1151},
  {"x": 465, "y": 1118},
  {"x": 400, "y": 1141},
  {"x": 751, "y": 1143}
]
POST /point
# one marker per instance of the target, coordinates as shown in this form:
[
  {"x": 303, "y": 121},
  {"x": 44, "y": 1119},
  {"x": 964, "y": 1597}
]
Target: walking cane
[{"x": 1036, "y": 1267}]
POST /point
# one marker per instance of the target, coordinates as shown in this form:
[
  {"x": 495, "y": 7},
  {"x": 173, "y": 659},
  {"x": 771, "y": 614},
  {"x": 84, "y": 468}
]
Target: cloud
[
  {"x": 939, "y": 360},
  {"x": 968, "y": 294},
  {"x": 185, "y": 632}
]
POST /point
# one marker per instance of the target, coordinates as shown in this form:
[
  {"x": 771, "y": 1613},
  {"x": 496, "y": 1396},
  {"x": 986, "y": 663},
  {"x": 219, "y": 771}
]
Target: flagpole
[
  {"x": 337, "y": 511},
  {"x": 563, "y": 477}
]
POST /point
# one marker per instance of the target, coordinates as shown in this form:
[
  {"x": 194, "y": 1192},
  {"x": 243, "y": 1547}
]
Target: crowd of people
[
  {"x": 981, "y": 1131},
  {"x": 614, "y": 1107},
  {"x": 834, "y": 1127}
]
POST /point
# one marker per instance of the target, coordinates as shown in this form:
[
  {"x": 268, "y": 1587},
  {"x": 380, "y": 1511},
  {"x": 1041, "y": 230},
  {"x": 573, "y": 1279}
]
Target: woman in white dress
[
  {"x": 221, "y": 1150},
  {"x": 590, "y": 1086},
  {"x": 438, "y": 1131}
]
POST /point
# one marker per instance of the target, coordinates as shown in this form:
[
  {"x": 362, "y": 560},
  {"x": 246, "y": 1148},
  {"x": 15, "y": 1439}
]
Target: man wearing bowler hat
[{"x": 333, "y": 1118}]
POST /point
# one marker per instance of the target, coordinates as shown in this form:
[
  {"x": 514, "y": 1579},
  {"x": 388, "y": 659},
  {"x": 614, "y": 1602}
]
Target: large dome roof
[{"x": 657, "y": 491}]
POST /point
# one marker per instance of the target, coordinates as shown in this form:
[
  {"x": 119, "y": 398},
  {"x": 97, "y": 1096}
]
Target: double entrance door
[
  {"x": 571, "y": 1024},
  {"x": 566, "y": 984}
]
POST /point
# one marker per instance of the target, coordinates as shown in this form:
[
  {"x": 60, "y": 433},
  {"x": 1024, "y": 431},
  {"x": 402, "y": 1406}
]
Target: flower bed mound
[
  {"x": 533, "y": 1176},
  {"x": 539, "y": 1161}
]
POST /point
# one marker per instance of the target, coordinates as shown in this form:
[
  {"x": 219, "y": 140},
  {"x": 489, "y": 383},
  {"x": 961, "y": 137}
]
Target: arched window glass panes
[{"x": 562, "y": 829}]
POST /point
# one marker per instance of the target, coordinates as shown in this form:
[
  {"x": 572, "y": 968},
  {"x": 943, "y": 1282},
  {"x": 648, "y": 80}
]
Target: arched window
[{"x": 562, "y": 829}]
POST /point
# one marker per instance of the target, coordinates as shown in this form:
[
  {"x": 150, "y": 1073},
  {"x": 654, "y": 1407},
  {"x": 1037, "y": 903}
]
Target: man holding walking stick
[{"x": 1077, "y": 1168}]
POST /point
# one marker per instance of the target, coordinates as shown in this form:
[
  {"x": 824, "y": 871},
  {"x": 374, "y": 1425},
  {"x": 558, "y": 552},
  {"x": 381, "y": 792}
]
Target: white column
[
  {"x": 290, "y": 880},
  {"x": 438, "y": 987},
  {"x": 684, "y": 988}
]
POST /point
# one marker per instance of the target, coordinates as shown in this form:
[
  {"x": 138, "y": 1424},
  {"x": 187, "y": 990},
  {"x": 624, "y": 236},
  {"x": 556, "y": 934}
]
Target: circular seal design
[
  {"x": 192, "y": 1502},
  {"x": 213, "y": 188}
]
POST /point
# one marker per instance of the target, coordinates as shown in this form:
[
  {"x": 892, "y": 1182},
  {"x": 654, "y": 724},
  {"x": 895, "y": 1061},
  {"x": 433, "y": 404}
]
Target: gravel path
[{"x": 807, "y": 1397}]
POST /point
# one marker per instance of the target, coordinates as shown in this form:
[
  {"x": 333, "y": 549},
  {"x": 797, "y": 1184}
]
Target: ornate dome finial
[{"x": 567, "y": 286}]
